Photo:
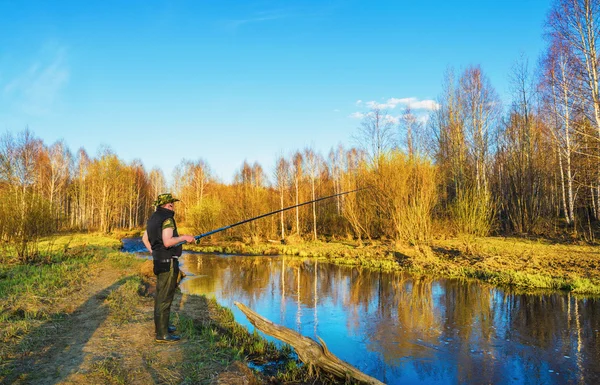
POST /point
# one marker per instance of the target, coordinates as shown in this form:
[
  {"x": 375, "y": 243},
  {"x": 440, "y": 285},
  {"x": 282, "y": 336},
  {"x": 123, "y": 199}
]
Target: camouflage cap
[{"x": 163, "y": 199}]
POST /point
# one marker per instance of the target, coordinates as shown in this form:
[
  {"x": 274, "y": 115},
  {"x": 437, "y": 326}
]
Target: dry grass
[
  {"x": 502, "y": 261},
  {"x": 91, "y": 321}
]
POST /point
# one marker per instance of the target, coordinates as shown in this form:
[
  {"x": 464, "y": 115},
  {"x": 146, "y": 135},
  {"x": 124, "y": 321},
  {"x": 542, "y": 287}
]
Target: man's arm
[
  {"x": 146, "y": 241},
  {"x": 169, "y": 240}
]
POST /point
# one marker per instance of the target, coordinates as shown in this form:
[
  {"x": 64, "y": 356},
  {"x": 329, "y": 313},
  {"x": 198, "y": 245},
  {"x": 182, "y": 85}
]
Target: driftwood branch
[{"x": 310, "y": 352}]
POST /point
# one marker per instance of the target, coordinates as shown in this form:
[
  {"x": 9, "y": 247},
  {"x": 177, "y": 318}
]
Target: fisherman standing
[{"x": 159, "y": 238}]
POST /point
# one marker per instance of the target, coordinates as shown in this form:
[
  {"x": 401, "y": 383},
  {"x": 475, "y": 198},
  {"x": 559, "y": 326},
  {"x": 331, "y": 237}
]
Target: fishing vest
[{"x": 154, "y": 229}]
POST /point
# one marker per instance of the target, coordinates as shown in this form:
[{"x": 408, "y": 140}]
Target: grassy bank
[
  {"x": 514, "y": 262},
  {"x": 83, "y": 313}
]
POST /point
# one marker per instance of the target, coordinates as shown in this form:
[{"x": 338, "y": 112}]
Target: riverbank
[
  {"x": 83, "y": 313},
  {"x": 509, "y": 262}
]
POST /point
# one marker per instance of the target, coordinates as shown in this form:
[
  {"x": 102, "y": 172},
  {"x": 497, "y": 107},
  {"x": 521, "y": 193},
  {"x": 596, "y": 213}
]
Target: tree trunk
[{"x": 310, "y": 352}]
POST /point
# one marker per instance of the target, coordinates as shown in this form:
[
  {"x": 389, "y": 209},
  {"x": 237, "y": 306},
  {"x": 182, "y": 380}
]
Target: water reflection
[
  {"x": 404, "y": 330},
  {"x": 401, "y": 329}
]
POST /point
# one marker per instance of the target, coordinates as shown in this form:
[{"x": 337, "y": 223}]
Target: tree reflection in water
[{"x": 408, "y": 329}]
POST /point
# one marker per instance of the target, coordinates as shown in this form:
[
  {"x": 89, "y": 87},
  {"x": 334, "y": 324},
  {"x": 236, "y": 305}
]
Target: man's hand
[
  {"x": 169, "y": 240},
  {"x": 188, "y": 238},
  {"x": 146, "y": 241}
]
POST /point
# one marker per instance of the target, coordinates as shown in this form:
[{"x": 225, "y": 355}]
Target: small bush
[{"x": 473, "y": 212}]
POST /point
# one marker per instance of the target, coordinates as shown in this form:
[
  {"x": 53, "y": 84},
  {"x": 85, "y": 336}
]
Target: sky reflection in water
[{"x": 403, "y": 329}]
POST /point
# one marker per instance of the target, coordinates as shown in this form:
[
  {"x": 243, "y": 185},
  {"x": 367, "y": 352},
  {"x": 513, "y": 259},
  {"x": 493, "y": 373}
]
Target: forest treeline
[{"x": 472, "y": 166}]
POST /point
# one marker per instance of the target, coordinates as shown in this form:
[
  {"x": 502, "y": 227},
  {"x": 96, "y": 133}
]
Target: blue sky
[{"x": 228, "y": 81}]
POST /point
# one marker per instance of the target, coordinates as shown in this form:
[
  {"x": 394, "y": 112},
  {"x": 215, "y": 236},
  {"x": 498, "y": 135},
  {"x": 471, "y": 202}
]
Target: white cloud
[
  {"x": 419, "y": 108},
  {"x": 411, "y": 102},
  {"x": 37, "y": 89},
  {"x": 336, "y": 110},
  {"x": 424, "y": 105},
  {"x": 374, "y": 104},
  {"x": 392, "y": 119},
  {"x": 423, "y": 119},
  {"x": 387, "y": 117}
]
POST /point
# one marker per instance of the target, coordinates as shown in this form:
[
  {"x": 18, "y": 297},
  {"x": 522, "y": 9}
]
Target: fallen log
[{"x": 309, "y": 351}]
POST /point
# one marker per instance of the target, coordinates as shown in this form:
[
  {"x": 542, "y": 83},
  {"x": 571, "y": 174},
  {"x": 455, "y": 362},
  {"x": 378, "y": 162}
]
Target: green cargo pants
[{"x": 166, "y": 283}]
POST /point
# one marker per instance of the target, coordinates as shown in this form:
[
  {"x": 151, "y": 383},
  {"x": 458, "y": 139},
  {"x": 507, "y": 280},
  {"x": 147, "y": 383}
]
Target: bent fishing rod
[{"x": 198, "y": 237}]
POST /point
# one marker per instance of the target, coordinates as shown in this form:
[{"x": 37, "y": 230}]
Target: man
[{"x": 159, "y": 238}]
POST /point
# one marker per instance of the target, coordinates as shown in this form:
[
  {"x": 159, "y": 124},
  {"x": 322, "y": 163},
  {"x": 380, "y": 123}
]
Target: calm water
[{"x": 406, "y": 330}]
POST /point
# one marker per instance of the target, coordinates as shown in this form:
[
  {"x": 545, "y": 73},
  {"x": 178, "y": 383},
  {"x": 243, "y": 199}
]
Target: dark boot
[{"x": 167, "y": 338}]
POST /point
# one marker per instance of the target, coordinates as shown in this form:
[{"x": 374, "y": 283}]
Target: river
[{"x": 403, "y": 329}]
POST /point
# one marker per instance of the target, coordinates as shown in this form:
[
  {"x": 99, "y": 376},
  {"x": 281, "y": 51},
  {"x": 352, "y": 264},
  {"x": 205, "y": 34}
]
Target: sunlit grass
[
  {"x": 30, "y": 292},
  {"x": 124, "y": 301},
  {"x": 515, "y": 262},
  {"x": 219, "y": 341},
  {"x": 38, "y": 293},
  {"x": 42, "y": 291},
  {"x": 584, "y": 286},
  {"x": 109, "y": 370},
  {"x": 66, "y": 241}
]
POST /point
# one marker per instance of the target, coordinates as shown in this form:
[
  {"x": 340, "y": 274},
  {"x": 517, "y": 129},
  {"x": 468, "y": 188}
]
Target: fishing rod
[{"x": 197, "y": 237}]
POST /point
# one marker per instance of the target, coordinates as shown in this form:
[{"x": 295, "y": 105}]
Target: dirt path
[
  {"x": 85, "y": 346},
  {"x": 90, "y": 344}
]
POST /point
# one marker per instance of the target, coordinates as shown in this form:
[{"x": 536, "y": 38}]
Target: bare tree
[
  {"x": 336, "y": 161},
  {"x": 282, "y": 177},
  {"x": 481, "y": 110},
  {"x": 376, "y": 135},
  {"x": 560, "y": 101},
  {"x": 30, "y": 215},
  {"x": 412, "y": 129},
  {"x": 297, "y": 172},
  {"x": 450, "y": 148},
  {"x": 521, "y": 156},
  {"x": 157, "y": 182},
  {"x": 313, "y": 166},
  {"x": 576, "y": 23}
]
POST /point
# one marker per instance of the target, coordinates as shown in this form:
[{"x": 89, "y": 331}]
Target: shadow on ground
[{"x": 55, "y": 350}]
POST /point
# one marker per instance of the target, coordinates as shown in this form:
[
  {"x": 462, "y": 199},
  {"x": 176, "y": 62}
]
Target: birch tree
[
  {"x": 575, "y": 23},
  {"x": 313, "y": 166},
  {"x": 297, "y": 175},
  {"x": 560, "y": 103},
  {"x": 282, "y": 177},
  {"x": 481, "y": 110}
]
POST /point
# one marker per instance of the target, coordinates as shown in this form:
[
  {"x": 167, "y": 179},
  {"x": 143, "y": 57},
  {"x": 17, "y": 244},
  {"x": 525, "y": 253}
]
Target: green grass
[
  {"x": 37, "y": 293},
  {"x": 29, "y": 290},
  {"x": 124, "y": 301},
  {"x": 75, "y": 240},
  {"x": 109, "y": 370},
  {"x": 34, "y": 293},
  {"x": 219, "y": 341}
]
